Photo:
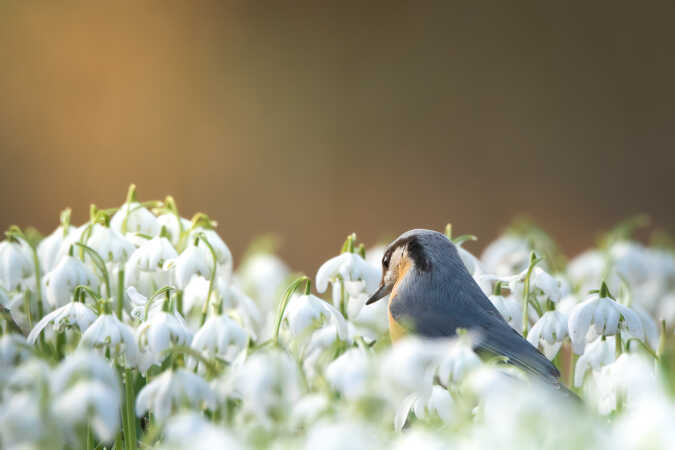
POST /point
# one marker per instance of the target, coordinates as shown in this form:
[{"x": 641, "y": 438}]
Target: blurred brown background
[{"x": 315, "y": 121}]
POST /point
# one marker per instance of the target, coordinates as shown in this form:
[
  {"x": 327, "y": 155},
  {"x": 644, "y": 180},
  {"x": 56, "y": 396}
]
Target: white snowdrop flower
[
  {"x": 144, "y": 270},
  {"x": 627, "y": 379},
  {"x": 189, "y": 429},
  {"x": 510, "y": 309},
  {"x": 152, "y": 255},
  {"x": 108, "y": 333},
  {"x": 597, "y": 354},
  {"x": 647, "y": 425},
  {"x": 589, "y": 269},
  {"x": 649, "y": 327},
  {"x": 158, "y": 333},
  {"x": 263, "y": 276},
  {"x": 83, "y": 364},
  {"x": 223, "y": 253},
  {"x": 319, "y": 342},
  {"x": 456, "y": 362},
  {"x": 193, "y": 261},
  {"x": 220, "y": 337},
  {"x": 61, "y": 282},
  {"x": 438, "y": 401},
  {"x": 14, "y": 264},
  {"x": 22, "y": 423},
  {"x": 349, "y": 373},
  {"x": 70, "y": 315},
  {"x": 93, "y": 403},
  {"x": 246, "y": 310},
  {"x": 133, "y": 217},
  {"x": 411, "y": 363},
  {"x": 197, "y": 289},
  {"x": 308, "y": 409},
  {"x": 110, "y": 245},
  {"x": 604, "y": 317},
  {"x": 173, "y": 227},
  {"x": 307, "y": 312},
  {"x": 506, "y": 255},
  {"x": 419, "y": 439},
  {"x": 545, "y": 286},
  {"x": 53, "y": 247},
  {"x": 139, "y": 304},
  {"x": 550, "y": 331},
  {"x": 171, "y": 390},
  {"x": 14, "y": 350},
  {"x": 351, "y": 267},
  {"x": 32, "y": 376},
  {"x": 269, "y": 384},
  {"x": 331, "y": 435},
  {"x": 631, "y": 261}
]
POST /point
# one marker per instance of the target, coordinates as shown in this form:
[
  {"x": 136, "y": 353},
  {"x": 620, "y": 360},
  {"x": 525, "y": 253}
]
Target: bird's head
[{"x": 415, "y": 250}]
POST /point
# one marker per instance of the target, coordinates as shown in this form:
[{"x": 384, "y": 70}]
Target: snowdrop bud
[
  {"x": 159, "y": 332},
  {"x": 597, "y": 354},
  {"x": 510, "y": 309},
  {"x": 220, "y": 337},
  {"x": 110, "y": 245},
  {"x": 193, "y": 261},
  {"x": 605, "y": 316},
  {"x": 15, "y": 264},
  {"x": 61, "y": 282},
  {"x": 171, "y": 390},
  {"x": 305, "y": 311},
  {"x": 107, "y": 333},
  {"x": 73, "y": 314},
  {"x": 349, "y": 373},
  {"x": 351, "y": 267},
  {"x": 197, "y": 289},
  {"x": 549, "y": 331},
  {"x": 135, "y": 218}
]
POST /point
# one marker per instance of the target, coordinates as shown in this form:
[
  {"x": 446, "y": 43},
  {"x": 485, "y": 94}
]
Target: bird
[{"x": 432, "y": 294}]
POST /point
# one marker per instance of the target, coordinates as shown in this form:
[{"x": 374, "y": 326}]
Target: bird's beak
[{"x": 382, "y": 291}]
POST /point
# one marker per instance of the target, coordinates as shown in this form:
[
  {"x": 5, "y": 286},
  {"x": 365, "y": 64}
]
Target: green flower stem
[
  {"x": 98, "y": 261},
  {"x": 570, "y": 367},
  {"x": 526, "y": 291},
  {"x": 644, "y": 346},
  {"x": 120, "y": 293},
  {"x": 343, "y": 303},
  {"x": 129, "y": 398},
  {"x": 26, "y": 305},
  {"x": 155, "y": 295},
  {"x": 212, "y": 278},
  {"x": 184, "y": 350},
  {"x": 284, "y": 302},
  {"x": 618, "y": 346},
  {"x": 16, "y": 233}
]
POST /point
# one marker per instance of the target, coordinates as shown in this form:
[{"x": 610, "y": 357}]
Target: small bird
[{"x": 432, "y": 294}]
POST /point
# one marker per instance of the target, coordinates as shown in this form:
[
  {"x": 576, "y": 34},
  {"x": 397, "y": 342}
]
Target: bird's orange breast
[{"x": 396, "y": 330}]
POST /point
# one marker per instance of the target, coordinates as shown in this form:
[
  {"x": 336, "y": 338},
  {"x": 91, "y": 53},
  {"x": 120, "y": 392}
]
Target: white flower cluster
[{"x": 134, "y": 330}]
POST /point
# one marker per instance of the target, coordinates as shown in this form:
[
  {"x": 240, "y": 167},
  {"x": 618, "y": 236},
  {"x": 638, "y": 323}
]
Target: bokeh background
[{"x": 314, "y": 121}]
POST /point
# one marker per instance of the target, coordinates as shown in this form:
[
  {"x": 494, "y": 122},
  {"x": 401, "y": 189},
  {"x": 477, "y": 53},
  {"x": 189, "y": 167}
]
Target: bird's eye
[{"x": 385, "y": 261}]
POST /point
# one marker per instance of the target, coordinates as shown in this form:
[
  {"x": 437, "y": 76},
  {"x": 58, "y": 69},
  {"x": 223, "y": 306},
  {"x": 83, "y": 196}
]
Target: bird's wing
[{"x": 438, "y": 309}]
